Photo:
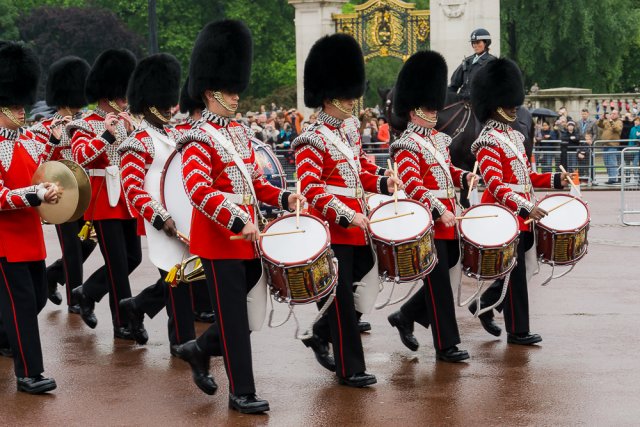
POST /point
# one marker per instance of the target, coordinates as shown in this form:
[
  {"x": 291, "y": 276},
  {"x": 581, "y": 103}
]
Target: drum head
[
  {"x": 571, "y": 216},
  {"x": 375, "y": 200},
  {"x": 174, "y": 196},
  {"x": 298, "y": 248},
  {"x": 494, "y": 231},
  {"x": 403, "y": 228}
]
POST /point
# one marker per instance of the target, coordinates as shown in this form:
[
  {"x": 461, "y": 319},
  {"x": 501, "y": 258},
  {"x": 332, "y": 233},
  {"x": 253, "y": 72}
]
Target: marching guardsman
[
  {"x": 153, "y": 91},
  {"x": 424, "y": 165},
  {"x": 23, "y": 288},
  {"x": 498, "y": 91},
  {"x": 199, "y": 292},
  {"x": 462, "y": 77},
  {"x": 94, "y": 141},
  {"x": 328, "y": 164},
  {"x": 65, "y": 91},
  {"x": 222, "y": 179}
]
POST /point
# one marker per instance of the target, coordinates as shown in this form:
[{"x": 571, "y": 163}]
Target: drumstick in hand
[
  {"x": 298, "y": 205},
  {"x": 473, "y": 178},
  {"x": 570, "y": 180},
  {"x": 395, "y": 185},
  {"x": 530, "y": 220},
  {"x": 387, "y": 218},
  {"x": 460, "y": 218},
  {"x": 278, "y": 233}
]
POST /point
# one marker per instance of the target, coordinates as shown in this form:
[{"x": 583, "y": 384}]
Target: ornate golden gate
[{"x": 386, "y": 28}]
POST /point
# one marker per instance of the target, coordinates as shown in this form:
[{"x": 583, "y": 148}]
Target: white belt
[
  {"x": 96, "y": 172},
  {"x": 449, "y": 193},
  {"x": 520, "y": 188},
  {"x": 239, "y": 199},
  {"x": 354, "y": 193}
]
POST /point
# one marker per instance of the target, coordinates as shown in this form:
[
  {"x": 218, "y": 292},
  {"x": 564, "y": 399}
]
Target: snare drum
[
  {"x": 404, "y": 246},
  {"x": 299, "y": 266},
  {"x": 271, "y": 168},
  {"x": 374, "y": 200},
  {"x": 173, "y": 196},
  {"x": 562, "y": 235},
  {"x": 489, "y": 245}
]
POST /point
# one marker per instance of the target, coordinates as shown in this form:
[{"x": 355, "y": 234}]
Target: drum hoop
[
  {"x": 418, "y": 235},
  {"x": 300, "y": 263},
  {"x": 475, "y": 244},
  {"x": 163, "y": 175},
  {"x": 569, "y": 230}
]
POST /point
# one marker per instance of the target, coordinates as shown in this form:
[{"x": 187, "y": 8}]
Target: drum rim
[
  {"x": 568, "y": 230},
  {"x": 299, "y": 263},
  {"x": 163, "y": 176},
  {"x": 416, "y": 237},
  {"x": 464, "y": 238}
]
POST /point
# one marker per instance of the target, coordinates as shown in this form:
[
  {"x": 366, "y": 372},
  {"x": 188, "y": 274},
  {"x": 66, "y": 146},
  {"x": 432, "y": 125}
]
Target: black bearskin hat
[
  {"x": 497, "y": 84},
  {"x": 333, "y": 69},
  {"x": 110, "y": 74},
  {"x": 221, "y": 58},
  {"x": 19, "y": 74},
  {"x": 65, "y": 83},
  {"x": 187, "y": 103},
  {"x": 422, "y": 82},
  {"x": 154, "y": 83}
]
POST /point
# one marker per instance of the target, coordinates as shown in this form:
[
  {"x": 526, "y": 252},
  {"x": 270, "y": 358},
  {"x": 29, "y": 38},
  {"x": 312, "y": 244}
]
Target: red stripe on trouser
[
  {"x": 175, "y": 318},
  {"x": 113, "y": 283},
  {"x": 344, "y": 373},
  {"x": 15, "y": 322},
  {"x": 222, "y": 335},
  {"x": 435, "y": 313},
  {"x": 64, "y": 263}
]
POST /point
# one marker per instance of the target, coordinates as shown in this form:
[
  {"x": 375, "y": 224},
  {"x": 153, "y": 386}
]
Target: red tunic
[
  {"x": 319, "y": 163},
  {"x": 94, "y": 148},
  {"x": 501, "y": 167},
  {"x": 424, "y": 178},
  {"x": 42, "y": 133},
  {"x": 208, "y": 172},
  {"x": 21, "y": 237}
]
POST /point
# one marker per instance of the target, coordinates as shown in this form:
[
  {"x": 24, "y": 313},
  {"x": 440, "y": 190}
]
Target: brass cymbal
[
  {"x": 59, "y": 174},
  {"x": 84, "y": 188}
]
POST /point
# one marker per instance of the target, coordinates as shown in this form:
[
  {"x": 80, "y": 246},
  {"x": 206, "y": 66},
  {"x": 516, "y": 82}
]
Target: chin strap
[
  {"x": 505, "y": 116},
  {"x": 115, "y": 106},
  {"x": 423, "y": 116},
  {"x": 336, "y": 103},
  {"x": 7, "y": 112},
  {"x": 155, "y": 112},
  {"x": 217, "y": 95}
]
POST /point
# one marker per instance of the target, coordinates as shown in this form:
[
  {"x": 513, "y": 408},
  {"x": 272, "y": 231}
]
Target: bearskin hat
[
  {"x": 333, "y": 69},
  {"x": 497, "y": 84},
  {"x": 155, "y": 82},
  {"x": 110, "y": 74},
  {"x": 187, "y": 103},
  {"x": 221, "y": 58},
  {"x": 422, "y": 82},
  {"x": 19, "y": 74},
  {"x": 65, "y": 83}
]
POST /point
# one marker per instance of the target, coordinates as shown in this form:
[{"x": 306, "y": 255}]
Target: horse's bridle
[{"x": 466, "y": 109}]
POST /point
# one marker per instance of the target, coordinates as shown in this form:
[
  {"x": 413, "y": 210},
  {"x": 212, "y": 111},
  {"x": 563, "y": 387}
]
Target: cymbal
[
  {"x": 84, "y": 188},
  {"x": 59, "y": 174}
]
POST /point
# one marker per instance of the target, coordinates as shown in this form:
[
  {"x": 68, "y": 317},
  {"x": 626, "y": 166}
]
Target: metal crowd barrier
[{"x": 630, "y": 186}]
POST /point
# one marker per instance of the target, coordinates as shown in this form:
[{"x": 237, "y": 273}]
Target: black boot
[
  {"x": 405, "y": 329},
  {"x": 136, "y": 320},
  {"x": 248, "y": 403},
  {"x": 452, "y": 354},
  {"x": 36, "y": 385},
  {"x": 199, "y": 362},
  {"x": 523, "y": 339},
  {"x": 362, "y": 379},
  {"x": 205, "y": 316},
  {"x": 86, "y": 307},
  {"x": 486, "y": 320},
  {"x": 321, "y": 350},
  {"x": 123, "y": 333},
  {"x": 6, "y": 352},
  {"x": 54, "y": 294}
]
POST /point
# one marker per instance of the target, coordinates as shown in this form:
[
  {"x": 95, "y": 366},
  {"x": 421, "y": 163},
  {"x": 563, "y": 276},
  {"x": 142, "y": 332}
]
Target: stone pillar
[
  {"x": 452, "y": 22},
  {"x": 313, "y": 20}
]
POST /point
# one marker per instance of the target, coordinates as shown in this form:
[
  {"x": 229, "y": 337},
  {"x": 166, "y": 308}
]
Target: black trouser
[
  {"x": 23, "y": 294},
  {"x": 200, "y": 298},
  {"x": 433, "y": 304},
  {"x": 68, "y": 269},
  {"x": 516, "y": 302},
  {"x": 120, "y": 247},
  {"x": 339, "y": 325},
  {"x": 178, "y": 303},
  {"x": 230, "y": 280}
]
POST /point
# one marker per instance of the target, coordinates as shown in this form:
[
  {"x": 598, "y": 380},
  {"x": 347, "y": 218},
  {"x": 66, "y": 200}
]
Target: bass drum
[
  {"x": 272, "y": 170},
  {"x": 174, "y": 198}
]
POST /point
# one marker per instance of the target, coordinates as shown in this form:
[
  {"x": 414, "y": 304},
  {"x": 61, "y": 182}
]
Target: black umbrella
[{"x": 543, "y": 112}]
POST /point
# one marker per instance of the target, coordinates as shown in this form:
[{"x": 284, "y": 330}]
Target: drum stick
[
  {"x": 298, "y": 205},
  {"x": 570, "y": 180},
  {"x": 460, "y": 218},
  {"x": 473, "y": 178},
  {"x": 530, "y": 220},
  {"x": 386, "y": 218},
  {"x": 395, "y": 186},
  {"x": 183, "y": 238},
  {"x": 278, "y": 233}
]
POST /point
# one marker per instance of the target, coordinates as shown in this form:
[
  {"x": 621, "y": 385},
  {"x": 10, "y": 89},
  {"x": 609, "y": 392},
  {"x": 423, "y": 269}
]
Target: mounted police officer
[{"x": 461, "y": 79}]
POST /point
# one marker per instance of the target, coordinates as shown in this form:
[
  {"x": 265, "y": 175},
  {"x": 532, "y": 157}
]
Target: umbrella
[{"x": 543, "y": 112}]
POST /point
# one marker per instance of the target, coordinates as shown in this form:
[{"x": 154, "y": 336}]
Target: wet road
[{"x": 584, "y": 372}]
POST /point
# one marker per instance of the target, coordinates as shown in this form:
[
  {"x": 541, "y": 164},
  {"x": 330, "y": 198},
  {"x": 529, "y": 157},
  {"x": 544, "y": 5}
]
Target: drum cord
[{"x": 388, "y": 302}]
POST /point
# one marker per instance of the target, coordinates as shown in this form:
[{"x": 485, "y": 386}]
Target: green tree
[
  {"x": 381, "y": 74},
  {"x": 579, "y": 43},
  {"x": 8, "y": 15}
]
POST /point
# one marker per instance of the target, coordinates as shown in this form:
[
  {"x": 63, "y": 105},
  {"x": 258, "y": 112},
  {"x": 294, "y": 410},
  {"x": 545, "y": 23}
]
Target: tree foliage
[
  {"x": 579, "y": 43},
  {"x": 8, "y": 15}
]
